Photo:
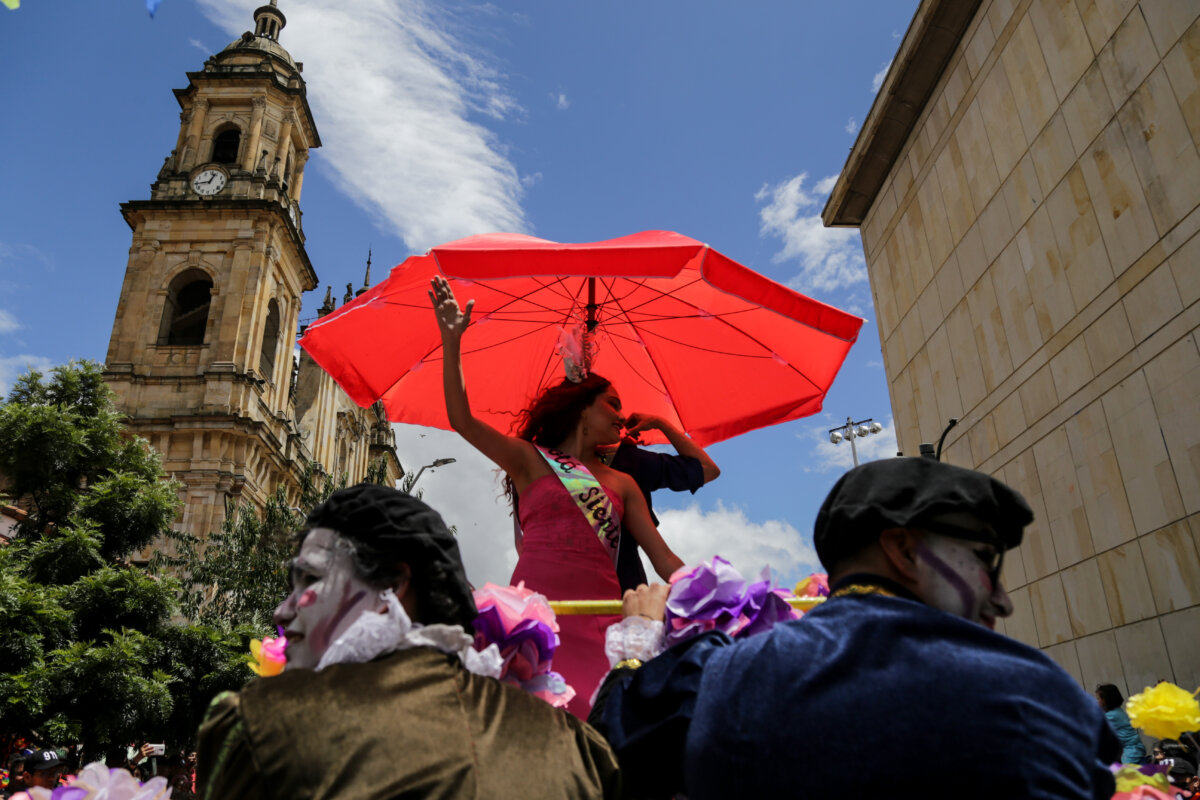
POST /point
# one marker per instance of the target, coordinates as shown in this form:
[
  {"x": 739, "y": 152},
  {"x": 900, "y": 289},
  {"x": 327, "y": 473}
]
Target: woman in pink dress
[{"x": 564, "y": 554}]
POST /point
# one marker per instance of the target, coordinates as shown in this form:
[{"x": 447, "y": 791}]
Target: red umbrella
[{"x": 682, "y": 332}]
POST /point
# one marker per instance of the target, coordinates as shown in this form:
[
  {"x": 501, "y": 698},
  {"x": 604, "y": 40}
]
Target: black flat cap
[
  {"x": 394, "y": 525},
  {"x": 906, "y": 492}
]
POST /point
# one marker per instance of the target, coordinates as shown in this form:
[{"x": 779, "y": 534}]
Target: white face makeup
[
  {"x": 327, "y": 597},
  {"x": 954, "y": 576}
]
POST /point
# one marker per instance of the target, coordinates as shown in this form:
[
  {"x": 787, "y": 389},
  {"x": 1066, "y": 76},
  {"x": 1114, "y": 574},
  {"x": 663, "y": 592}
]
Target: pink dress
[{"x": 562, "y": 558}]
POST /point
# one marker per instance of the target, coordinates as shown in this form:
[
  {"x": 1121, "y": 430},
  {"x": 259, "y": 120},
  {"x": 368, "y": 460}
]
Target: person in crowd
[
  {"x": 39, "y": 769},
  {"x": 16, "y": 775},
  {"x": 573, "y": 510},
  {"x": 900, "y": 662},
  {"x": 383, "y": 694},
  {"x": 1174, "y": 756},
  {"x": 1111, "y": 700},
  {"x": 179, "y": 777},
  {"x": 685, "y": 471}
]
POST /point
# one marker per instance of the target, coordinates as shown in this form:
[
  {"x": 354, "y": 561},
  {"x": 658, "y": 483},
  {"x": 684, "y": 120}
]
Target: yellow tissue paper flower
[
  {"x": 1164, "y": 711},
  {"x": 267, "y": 656}
]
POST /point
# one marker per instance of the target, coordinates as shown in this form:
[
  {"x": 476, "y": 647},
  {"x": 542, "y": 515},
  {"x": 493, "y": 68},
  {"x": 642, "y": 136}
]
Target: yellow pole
[{"x": 605, "y": 607}]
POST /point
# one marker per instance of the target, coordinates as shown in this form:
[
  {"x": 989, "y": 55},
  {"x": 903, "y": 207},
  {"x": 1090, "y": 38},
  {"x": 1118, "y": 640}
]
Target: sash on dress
[{"x": 589, "y": 496}]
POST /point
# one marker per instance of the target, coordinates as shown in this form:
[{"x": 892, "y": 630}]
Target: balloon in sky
[{"x": 151, "y": 6}]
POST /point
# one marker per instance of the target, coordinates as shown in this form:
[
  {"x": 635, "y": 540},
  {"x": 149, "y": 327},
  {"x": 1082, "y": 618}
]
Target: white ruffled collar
[{"x": 373, "y": 635}]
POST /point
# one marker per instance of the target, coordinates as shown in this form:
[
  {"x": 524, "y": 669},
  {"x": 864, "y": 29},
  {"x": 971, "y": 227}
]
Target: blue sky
[{"x": 571, "y": 121}]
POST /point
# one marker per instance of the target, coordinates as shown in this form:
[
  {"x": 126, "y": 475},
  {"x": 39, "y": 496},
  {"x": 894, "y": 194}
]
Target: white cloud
[
  {"x": 697, "y": 535},
  {"x": 531, "y": 180},
  {"x": 852, "y": 126},
  {"x": 8, "y": 323},
  {"x": 394, "y": 89},
  {"x": 829, "y": 457},
  {"x": 467, "y": 494},
  {"x": 25, "y": 252},
  {"x": 12, "y": 367},
  {"x": 560, "y": 100},
  {"x": 830, "y": 258},
  {"x": 201, "y": 46},
  {"x": 880, "y": 77}
]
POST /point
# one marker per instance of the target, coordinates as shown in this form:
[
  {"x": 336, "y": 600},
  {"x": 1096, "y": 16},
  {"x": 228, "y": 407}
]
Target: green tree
[
  {"x": 88, "y": 649},
  {"x": 239, "y": 574}
]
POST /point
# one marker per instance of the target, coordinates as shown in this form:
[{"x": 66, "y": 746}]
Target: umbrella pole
[
  {"x": 591, "y": 325},
  {"x": 591, "y": 305}
]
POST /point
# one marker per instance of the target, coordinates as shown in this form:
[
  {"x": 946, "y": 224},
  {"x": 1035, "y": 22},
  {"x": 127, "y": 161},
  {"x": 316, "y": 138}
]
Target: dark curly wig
[{"x": 387, "y": 528}]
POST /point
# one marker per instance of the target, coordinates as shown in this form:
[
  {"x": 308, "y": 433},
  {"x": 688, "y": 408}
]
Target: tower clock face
[{"x": 208, "y": 182}]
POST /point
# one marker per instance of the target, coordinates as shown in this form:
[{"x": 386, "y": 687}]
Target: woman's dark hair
[
  {"x": 554, "y": 414},
  {"x": 1109, "y": 695},
  {"x": 556, "y": 411},
  {"x": 387, "y": 528}
]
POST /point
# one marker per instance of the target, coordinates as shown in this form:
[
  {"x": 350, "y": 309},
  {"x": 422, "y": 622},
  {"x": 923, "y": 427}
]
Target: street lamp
[
  {"x": 854, "y": 430},
  {"x": 441, "y": 462}
]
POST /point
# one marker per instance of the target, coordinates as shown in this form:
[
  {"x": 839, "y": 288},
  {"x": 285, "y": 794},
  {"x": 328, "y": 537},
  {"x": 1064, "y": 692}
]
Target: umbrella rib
[
  {"x": 719, "y": 319},
  {"x": 662, "y": 381},
  {"x": 699, "y": 348},
  {"x": 510, "y": 340},
  {"x": 514, "y": 297}
]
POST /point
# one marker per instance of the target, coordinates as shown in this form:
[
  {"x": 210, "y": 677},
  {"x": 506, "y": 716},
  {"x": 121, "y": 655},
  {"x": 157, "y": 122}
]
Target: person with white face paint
[
  {"x": 901, "y": 662},
  {"x": 383, "y": 694}
]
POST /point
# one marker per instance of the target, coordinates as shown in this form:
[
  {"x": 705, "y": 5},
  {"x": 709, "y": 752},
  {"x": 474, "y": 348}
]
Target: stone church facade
[
  {"x": 1027, "y": 185},
  {"x": 202, "y": 355}
]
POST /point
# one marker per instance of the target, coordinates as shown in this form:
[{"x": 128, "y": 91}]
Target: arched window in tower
[
  {"x": 225, "y": 146},
  {"x": 185, "y": 313},
  {"x": 270, "y": 341}
]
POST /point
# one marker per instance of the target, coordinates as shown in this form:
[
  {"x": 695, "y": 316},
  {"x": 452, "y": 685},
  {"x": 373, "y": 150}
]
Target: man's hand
[{"x": 649, "y": 601}]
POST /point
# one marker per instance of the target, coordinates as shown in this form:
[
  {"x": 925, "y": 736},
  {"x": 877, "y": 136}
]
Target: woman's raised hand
[{"x": 451, "y": 320}]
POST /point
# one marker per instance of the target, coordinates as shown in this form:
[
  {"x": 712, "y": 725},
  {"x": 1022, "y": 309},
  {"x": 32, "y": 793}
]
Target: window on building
[
  {"x": 270, "y": 341},
  {"x": 225, "y": 146},
  {"x": 185, "y": 313}
]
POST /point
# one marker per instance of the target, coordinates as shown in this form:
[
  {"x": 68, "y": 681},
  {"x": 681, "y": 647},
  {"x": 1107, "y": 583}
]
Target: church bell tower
[{"x": 201, "y": 354}]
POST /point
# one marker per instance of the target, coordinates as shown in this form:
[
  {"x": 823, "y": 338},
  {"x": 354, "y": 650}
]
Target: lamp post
[
  {"x": 441, "y": 462},
  {"x": 854, "y": 430}
]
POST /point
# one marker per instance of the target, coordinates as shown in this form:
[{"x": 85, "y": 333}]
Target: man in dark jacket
[{"x": 900, "y": 663}]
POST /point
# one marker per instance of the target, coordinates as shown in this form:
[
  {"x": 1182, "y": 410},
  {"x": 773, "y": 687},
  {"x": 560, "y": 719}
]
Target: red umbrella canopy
[{"x": 680, "y": 330}]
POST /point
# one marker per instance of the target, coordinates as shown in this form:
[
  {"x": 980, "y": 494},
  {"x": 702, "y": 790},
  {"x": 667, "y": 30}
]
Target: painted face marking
[
  {"x": 950, "y": 576},
  {"x": 327, "y": 597},
  {"x": 323, "y": 633}
]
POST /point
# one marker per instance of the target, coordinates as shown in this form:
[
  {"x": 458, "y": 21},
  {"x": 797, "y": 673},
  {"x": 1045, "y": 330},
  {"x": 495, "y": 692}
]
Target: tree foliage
[
  {"x": 239, "y": 574},
  {"x": 88, "y": 649}
]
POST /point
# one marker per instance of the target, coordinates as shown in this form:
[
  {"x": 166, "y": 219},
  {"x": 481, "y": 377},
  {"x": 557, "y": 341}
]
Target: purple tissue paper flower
[{"x": 714, "y": 596}]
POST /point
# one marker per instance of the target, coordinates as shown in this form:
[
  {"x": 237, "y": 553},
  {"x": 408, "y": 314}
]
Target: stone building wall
[{"x": 1035, "y": 264}]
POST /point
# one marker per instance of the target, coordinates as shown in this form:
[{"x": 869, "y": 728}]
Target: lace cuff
[{"x": 633, "y": 637}]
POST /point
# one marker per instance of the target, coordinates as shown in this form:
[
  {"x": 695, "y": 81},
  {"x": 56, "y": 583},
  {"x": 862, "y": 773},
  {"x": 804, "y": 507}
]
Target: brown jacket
[{"x": 410, "y": 724}]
